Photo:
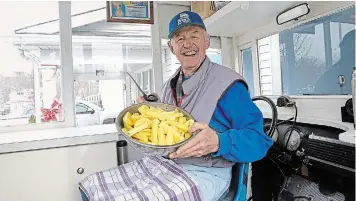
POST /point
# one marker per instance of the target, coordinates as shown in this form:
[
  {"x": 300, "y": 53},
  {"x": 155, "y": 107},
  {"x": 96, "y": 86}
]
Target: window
[
  {"x": 81, "y": 109},
  {"x": 313, "y": 58},
  {"x": 103, "y": 55},
  {"x": 247, "y": 68},
  {"x": 28, "y": 86},
  {"x": 214, "y": 55}
]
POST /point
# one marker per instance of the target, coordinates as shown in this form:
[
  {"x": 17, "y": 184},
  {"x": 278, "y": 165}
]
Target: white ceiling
[{"x": 232, "y": 21}]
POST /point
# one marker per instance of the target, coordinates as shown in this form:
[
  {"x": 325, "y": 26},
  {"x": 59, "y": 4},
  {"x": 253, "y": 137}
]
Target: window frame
[
  {"x": 256, "y": 72},
  {"x": 272, "y": 28}
]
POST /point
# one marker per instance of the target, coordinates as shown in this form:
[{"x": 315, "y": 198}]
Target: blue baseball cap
[{"x": 183, "y": 19}]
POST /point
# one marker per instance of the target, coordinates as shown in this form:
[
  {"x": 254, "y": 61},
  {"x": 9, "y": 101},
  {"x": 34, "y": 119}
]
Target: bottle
[{"x": 121, "y": 147}]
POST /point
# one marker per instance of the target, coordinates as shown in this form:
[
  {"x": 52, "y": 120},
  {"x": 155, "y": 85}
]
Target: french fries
[{"x": 152, "y": 125}]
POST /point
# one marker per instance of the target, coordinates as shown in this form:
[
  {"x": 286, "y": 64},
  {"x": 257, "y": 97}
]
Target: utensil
[{"x": 149, "y": 97}]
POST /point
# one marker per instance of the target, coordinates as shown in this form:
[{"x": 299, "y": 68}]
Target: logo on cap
[{"x": 183, "y": 18}]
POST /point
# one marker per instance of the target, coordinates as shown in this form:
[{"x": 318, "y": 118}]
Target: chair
[{"x": 238, "y": 186}]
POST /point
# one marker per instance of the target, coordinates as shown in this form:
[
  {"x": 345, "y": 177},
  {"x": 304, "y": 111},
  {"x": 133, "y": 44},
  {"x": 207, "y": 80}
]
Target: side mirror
[
  {"x": 293, "y": 13},
  {"x": 91, "y": 111}
]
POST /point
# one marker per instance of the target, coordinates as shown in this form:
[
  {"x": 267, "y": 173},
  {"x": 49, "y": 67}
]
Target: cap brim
[{"x": 185, "y": 25}]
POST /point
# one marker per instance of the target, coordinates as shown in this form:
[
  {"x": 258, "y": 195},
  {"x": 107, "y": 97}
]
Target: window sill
[{"x": 59, "y": 137}]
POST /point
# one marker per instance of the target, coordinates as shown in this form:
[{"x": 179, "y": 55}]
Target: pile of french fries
[{"x": 154, "y": 126}]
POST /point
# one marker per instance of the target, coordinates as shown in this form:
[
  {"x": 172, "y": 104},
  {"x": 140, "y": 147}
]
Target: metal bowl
[{"x": 147, "y": 149}]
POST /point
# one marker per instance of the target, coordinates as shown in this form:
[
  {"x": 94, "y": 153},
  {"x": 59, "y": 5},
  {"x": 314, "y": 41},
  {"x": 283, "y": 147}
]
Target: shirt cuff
[{"x": 224, "y": 144}]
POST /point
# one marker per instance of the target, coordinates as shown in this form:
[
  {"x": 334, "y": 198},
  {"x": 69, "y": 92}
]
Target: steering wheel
[{"x": 272, "y": 126}]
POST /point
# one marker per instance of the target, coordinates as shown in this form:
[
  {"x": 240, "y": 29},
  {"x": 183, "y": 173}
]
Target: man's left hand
[{"x": 203, "y": 143}]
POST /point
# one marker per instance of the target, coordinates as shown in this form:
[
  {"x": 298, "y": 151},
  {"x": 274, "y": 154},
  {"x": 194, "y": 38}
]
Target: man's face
[{"x": 189, "y": 45}]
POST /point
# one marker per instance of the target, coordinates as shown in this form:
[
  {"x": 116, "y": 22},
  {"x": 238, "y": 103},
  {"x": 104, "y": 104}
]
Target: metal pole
[
  {"x": 156, "y": 51},
  {"x": 65, "y": 36}
]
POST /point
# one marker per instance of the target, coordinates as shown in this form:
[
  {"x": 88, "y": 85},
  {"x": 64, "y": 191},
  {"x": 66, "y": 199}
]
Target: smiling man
[
  {"x": 229, "y": 124},
  {"x": 229, "y": 130}
]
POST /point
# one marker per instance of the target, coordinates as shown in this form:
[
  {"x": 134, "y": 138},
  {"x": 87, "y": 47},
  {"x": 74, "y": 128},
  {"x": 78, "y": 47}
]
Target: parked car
[{"x": 88, "y": 113}]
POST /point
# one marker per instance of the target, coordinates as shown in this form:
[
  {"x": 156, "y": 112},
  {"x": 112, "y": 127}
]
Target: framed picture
[{"x": 140, "y": 12}]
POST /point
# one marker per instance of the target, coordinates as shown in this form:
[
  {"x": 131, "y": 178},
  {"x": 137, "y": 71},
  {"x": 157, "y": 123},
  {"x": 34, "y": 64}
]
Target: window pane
[
  {"x": 105, "y": 98},
  {"x": 247, "y": 68},
  {"x": 214, "y": 56},
  {"x": 169, "y": 62},
  {"x": 29, "y": 85},
  {"x": 146, "y": 88},
  {"x": 312, "y": 57},
  {"x": 79, "y": 108},
  {"x": 103, "y": 54},
  {"x": 139, "y": 82},
  {"x": 151, "y": 81}
]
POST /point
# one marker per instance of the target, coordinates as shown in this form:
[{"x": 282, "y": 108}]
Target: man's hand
[{"x": 205, "y": 142}]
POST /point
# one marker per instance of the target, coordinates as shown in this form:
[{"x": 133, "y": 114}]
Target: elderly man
[
  {"x": 230, "y": 124},
  {"x": 229, "y": 130}
]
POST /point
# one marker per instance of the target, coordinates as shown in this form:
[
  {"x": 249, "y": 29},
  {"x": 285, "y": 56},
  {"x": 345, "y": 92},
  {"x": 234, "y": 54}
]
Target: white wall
[{"x": 227, "y": 52}]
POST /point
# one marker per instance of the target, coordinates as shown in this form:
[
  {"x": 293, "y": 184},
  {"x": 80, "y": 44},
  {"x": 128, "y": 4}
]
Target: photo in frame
[{"x": 140, "y": 12}]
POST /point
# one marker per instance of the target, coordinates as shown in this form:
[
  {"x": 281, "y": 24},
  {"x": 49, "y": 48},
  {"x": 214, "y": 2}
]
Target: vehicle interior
[{"x": 68, "y": 69}]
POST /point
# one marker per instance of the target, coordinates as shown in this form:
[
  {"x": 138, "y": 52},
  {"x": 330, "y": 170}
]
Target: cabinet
[{"x": 51, "y": 174}]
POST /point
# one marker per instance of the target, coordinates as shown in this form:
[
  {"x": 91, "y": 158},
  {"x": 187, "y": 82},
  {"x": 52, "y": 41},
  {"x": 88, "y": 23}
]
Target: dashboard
[
  {"x": 307, "y": 159},
  {"x": 313, "y": 145}
]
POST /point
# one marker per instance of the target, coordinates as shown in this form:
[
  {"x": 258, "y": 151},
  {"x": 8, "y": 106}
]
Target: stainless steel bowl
[{"x": 148, "y": 149}]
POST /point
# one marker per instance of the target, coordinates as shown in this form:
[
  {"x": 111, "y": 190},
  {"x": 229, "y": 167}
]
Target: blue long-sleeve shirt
[{"x": 239, "y": 125}]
